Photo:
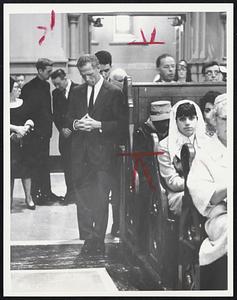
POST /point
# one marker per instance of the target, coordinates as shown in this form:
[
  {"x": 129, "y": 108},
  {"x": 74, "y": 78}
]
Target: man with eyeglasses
[{"x": 211, "y": 71}]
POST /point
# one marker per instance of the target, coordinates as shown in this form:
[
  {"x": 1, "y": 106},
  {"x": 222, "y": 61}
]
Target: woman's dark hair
[
  {"x": 188, "y": 75},
  {"x": 186, "y": 110},
  {"x": 209, "y": 97},
  {"x": 12, "y": 81}
]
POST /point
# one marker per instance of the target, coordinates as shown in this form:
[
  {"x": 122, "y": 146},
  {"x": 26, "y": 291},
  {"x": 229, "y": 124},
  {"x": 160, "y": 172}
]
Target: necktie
[{"x": 91, "y": 101}]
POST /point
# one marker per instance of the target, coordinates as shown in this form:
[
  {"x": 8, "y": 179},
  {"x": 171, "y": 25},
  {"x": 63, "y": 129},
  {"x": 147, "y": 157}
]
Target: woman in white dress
[
  {"x": 207, "y": 183},
  {"x": 186, "y": 126}
]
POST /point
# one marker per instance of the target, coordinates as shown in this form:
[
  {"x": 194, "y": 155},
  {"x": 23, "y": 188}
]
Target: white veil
[{"x": 176, "y": 139}]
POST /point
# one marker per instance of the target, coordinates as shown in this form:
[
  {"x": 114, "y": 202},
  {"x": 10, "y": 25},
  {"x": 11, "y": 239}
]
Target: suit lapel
[
  {"x": 100, "y": 97},
  {"x": 83, "y": 99},
  {"x": 70, "y": 90}
]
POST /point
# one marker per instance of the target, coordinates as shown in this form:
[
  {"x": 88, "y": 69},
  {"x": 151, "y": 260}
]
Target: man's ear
[{"x": 158, "y": 70}]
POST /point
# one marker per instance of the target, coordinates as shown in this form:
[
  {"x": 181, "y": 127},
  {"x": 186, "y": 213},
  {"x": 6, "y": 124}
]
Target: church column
[{"x": 73, "y": 21}]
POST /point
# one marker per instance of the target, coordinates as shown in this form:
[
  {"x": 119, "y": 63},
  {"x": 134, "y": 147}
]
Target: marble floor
[{"x": 48, "y": 238}]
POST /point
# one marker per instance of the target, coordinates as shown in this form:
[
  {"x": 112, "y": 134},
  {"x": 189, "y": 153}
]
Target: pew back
[{"x": 145, "y": 93}]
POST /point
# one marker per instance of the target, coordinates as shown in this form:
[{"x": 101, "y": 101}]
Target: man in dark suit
[
  {"x": 98, "y": 118},
  {"x": 61, "y": 100},
  {"x": 37, "y": 95}
]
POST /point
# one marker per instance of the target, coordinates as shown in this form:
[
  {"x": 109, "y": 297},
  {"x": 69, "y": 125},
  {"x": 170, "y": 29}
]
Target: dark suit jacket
[
  {"x": 60, "y": 106},
  {"x": 110, "y": 109},
  {"x": 36, "y": 93}
]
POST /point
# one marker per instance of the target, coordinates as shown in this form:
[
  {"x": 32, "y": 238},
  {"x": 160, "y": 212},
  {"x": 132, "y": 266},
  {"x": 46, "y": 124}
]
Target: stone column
[{"x": 73, "y": 22}]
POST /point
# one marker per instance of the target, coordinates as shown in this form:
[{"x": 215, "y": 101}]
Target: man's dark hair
[
  {"x": 209, "y": 97},
  {"x": 104, "y": 57},
  {"x": 12, "y": 81},
  {"x": 186, "y": 110},
  {"x": 88, "y": 58},
  {"x": 42, "y": 63},
  {"x": 58, "y": 73},
  {"x": 159, "y": 58},
  {"x": 209, "y": 64}
]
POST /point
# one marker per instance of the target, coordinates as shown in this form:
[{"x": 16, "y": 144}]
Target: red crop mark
[
  {"x": 52, "y": 24},
  {"x": 138, "y": 158},
  {"x": 52, "y": 21},
  {"x": 152, "y": 39}
]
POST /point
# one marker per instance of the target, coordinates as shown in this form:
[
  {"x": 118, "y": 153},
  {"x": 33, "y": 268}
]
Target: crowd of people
[{"x": 92, "y": 120}]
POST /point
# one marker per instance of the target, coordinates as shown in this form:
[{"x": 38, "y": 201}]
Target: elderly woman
[
  {"x": 20, "y": 148},
  {"x": 207, "y": 183},
  {"x": 186, "y": 126},
  {"x": 206, "y": 105}
]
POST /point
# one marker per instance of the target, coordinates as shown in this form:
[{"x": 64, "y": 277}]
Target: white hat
[{"x": 160, "y": 110}]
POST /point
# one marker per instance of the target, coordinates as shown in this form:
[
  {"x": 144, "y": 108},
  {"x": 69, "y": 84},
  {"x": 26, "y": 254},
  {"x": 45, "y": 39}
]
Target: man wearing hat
[{"x": 158, "y": 122}]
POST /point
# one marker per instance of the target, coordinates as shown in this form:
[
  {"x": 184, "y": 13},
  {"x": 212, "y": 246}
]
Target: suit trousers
[
  {"x": 92, "y": 193},
  {"x": 41, "y": 172},
  {"x": 65, "y": 151}
]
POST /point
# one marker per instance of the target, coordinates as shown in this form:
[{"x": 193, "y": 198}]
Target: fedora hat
[{"x": 160, "y": 110}]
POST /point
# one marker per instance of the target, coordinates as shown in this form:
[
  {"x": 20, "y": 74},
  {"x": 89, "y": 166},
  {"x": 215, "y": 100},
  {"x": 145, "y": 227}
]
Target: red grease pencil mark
[
  {"x": 152, "y": 39},
  {"x": 138, "y": 158},
  {"x": 52, "y": 24}
]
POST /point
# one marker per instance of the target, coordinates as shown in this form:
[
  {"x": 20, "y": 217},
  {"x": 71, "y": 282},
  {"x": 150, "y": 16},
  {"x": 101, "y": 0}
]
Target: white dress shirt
[
  {"x": 97, "y": 88},
  {"x": 68, "y": 88}
]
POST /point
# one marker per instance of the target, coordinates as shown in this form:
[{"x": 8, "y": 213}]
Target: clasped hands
[
  {"x": 86, "y": 123},
  {"x": 23, "y": 130}
]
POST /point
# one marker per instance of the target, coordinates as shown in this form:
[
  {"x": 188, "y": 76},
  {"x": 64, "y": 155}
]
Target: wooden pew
[
  {"x": 145, "y": 93},
  {"x": 161, "y": 232}
]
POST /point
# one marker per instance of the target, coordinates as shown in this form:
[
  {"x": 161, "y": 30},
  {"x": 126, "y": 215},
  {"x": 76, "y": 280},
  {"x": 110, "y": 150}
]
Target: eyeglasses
[
  {"x": 210, "y": 73},
  {"x": 181, "y": 67}
]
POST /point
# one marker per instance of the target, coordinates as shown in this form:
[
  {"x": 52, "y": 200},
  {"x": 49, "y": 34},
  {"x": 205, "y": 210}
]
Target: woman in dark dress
[{"x": 21, "y": 156}]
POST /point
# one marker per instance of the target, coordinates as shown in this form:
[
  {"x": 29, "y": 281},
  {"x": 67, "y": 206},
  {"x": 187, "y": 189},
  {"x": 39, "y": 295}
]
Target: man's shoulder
[
  {"x": 74, "y": 85},
  {"x": 30, "y": 83},
  {"x": 77, "y": 88}
]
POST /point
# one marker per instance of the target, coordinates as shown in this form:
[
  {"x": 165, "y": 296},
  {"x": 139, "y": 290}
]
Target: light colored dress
[
  {"x": 209, "y": 170},
  {"x": 171, "y": 146},
  {"x": 174, "y": 181}
]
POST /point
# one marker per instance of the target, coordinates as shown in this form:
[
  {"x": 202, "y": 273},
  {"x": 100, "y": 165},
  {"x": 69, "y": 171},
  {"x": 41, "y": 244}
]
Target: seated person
[
  {"x": 183, "y": 72},
  {"x": 206, "y": 105},
  {"x": 165, "y": 65},
  {"x": 186, "y": 126},
  {"x": 117, "y": 76},
  {"x": 158, "y": 122},
  {"x": 207, "y": 184},
  {"x": 211, "y": 71}
]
